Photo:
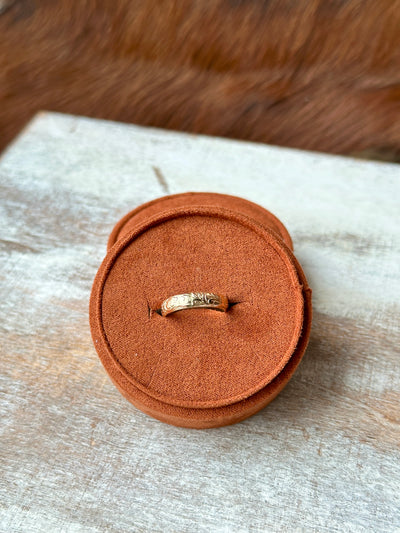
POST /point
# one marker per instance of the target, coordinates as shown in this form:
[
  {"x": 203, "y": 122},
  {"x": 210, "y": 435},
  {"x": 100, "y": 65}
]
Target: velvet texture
[
  {"x": 199, "y": 199},
  {"x": 200, "y": 368}
]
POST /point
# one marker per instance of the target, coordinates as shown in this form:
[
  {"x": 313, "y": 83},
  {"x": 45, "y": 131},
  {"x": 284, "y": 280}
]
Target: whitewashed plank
[{"x": 75, "y": 456}]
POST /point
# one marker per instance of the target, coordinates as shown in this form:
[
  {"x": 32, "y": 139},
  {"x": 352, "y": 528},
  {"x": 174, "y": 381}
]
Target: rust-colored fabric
[
  {"x": 200, "y": 368},
  {"x": 165, "y": 203},
  {"x": 221, "y": 416}
]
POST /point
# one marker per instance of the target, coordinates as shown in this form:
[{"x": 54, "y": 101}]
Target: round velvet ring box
[{"x": 198, "y": 367}]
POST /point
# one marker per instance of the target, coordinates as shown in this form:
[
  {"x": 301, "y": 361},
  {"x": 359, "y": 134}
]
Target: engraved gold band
[{"x": 194, "y": 300}]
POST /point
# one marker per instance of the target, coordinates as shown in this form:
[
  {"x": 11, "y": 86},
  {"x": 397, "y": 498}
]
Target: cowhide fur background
[{"x": 314, "y": 74}]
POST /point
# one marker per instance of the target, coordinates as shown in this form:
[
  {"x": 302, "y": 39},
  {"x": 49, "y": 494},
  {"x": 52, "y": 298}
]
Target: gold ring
[{"x": 194, "y": 300}]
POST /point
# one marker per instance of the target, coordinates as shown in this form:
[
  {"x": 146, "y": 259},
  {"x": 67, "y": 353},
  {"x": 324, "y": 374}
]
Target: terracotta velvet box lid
[{"x": 200, "y": 368}]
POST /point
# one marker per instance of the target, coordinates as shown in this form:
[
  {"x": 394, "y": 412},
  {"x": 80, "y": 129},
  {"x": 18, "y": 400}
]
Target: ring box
[{"x": 200, "y": 368}]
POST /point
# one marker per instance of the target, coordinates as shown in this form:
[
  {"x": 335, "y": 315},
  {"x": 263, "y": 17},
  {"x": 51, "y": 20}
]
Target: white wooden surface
[{"x": 77, "y": 457}]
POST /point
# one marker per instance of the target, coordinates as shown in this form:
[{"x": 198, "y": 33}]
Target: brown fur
[{"x": 314, "y": 74}]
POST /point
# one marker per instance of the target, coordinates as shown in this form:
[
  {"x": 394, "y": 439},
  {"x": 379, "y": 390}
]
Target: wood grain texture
[{"x": 77, "y": 457}]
